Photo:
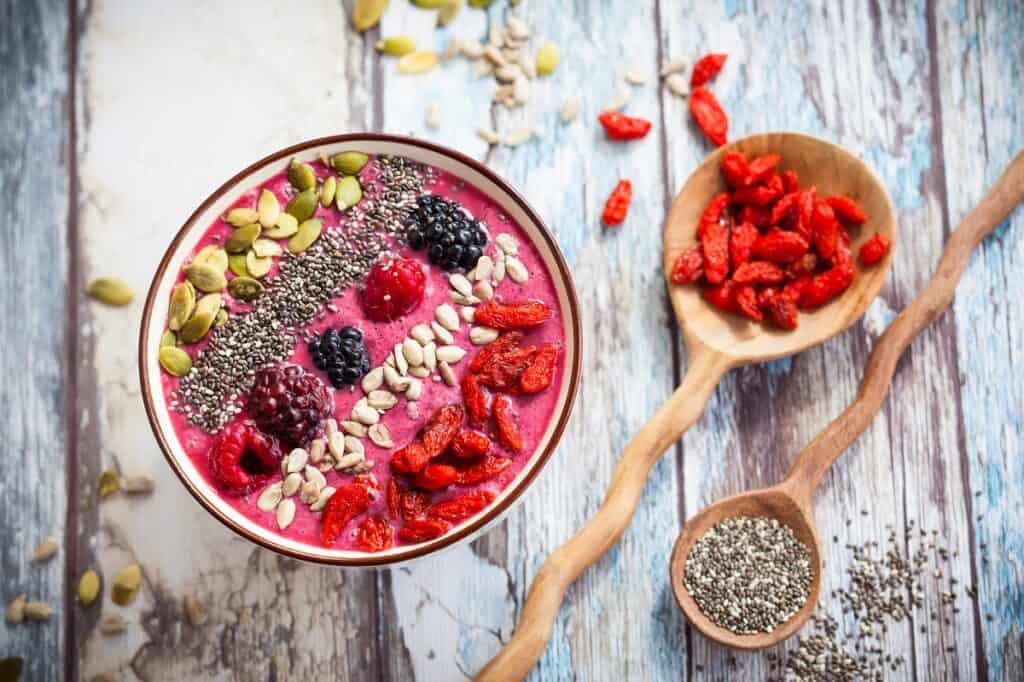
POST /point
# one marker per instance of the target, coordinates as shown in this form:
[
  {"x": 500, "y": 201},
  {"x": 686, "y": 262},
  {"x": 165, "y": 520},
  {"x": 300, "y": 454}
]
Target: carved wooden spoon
[
  {"x": 790, "y": 501},
  {"x": 716, "y": 342}
]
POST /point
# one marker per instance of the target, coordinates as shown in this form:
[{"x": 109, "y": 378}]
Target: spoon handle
[
  {"x": 819, "y": 455},
  {"x": 567, "y": 562}
]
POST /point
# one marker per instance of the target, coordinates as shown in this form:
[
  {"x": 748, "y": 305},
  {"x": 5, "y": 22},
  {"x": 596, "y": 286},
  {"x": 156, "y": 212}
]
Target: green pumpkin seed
[
  {"x": 88, "y": 587},
  {"x": 397, "y": 46},
  {"x": 175, "y": 361},
  {"x": 349, "y": 193},
  {"x": 479, "y": 3},
  {"x": 168, "y": 338},
  {"x": 285, "y": 227},
  {"x": 303, "y": 205},
  {"x": 241, "y": 239},
  {"x": 448, "y": 12},
  {"x": 301, "y": 175},
  {"x": 237, "y": 217},
  {"x": 111, "y": 291},
  {"x": 547, "y": 59},
  {"x": 183, "y": 301},
  {"x": 221, "y": 319},
  {"x": 327, "y": 190},
  {"x": 309, "y": 232},
  {"x": 245, "y": 288},
  {"x": 266, "y": 248},
  {"x": 196, "y": 327},
  {"x": 205, "y": 277},
  {"x": 214, "y": 255},
  {"x": 367, "y": 13},
  {"x": 110, "y": 483},
  {"x": 349, "y": 163},
  {"x": 257, "y": 267},
  {"x": 126, "y": 585},
  {"x": 236, "y": 263},
  {"x": 268, "y": 208},
  {"x": 208, "y": 304}
]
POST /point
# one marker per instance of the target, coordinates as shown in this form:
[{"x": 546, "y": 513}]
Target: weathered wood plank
[{"x": 33, "y": 209}]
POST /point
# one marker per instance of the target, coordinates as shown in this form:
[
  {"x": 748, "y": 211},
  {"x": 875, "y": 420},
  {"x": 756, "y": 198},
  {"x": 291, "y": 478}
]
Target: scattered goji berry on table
[
  {"x": 461, "y": 508},
  {"x": 374, "y": 534},
  {"x": 622, "y": 127},
  {"x": 436, "y": 476},
  {"x": 873, "y": 250},
  {"x": 539, "y": 373},
  {"x": 715, "y": 245},
  {"x": 617, "y": 205},
  {"x": 741, "y": 239},
  {"x": 710, "y": 117},
  {"x": 706, "y": 68},
  {"x": 846, "y": 210},
  {"x": 347, "y": 502},
  {"x": 521, "y": 315},
  {"x": 422, "y": 530},
  {"x": 482, "y": 470},
  {"x": 688, "y": 266},
  {"x": 508, "y": 430}
]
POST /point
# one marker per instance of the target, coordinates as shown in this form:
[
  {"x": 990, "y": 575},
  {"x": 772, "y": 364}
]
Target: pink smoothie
[{"x": 407, "y": 418}]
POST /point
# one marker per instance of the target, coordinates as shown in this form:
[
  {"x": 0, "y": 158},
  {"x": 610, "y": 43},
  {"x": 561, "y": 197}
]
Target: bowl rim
[{"x": 465, "y": 531}]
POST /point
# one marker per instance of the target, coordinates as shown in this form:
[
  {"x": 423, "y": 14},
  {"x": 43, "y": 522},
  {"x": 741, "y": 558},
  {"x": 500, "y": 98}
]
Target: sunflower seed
[
  {"x": 635, "y": 76},
  {"x": 447, "y": 373},
  {"x": 271, "y": 495},
  {"x": 422, "y": 334},
  {"x": 447, "y": 317},
  {"x": 517, "y": 137},
  {"x": 481, "y": 336},
  {"x": 433, "y": 118},
  {"x": 113, "y": 624},
  {"x": 488, "y": 135},
  {"x": 380, "y": 434},
  {"x": 381, "y": 400},
  {"x": 484, "y": 268},
  {"x": 237, "y": 217},
  {"x": 468, "y": 313},
  {"x": 450, "y": 354},
  {"x": 297, "y": 459},
  {"x": 309, "y": 491},
  {"x": 673, "y": 66},
  {"x": 413, "y": 352},
  {"x": 88, "y": 587},
  {"x": 620, "y": 101},
  {"x": 415, "y": 390},
  {"x": 373, "y": 379},
  {"x": 483, "y": 291},
  {"x": 365, "y": 414},
  {"x": 195, "y": 611},
  {"x": 401, "y": 364},
  {"x": 16, "y": 609},
  {"x": 417, "y": 62},
  {"x": 336, "y": 443},
  {"x": 677, "y": 85},
  {"x": 499, "y": 271},
  {"x": 285, "y": 513},
  {"x": 126, "y": 584},
  {"x": 464, "y": 300},
  {"x": 138, "y": 485},
  {"x": 321, "y": 500},
  {"x": 46, "y": 549},
  {"x": 268, "y": 208},
  {"x": 317, "y": 450},
  {"x": 517, "y": 272},
  {"x": 111, "y": 291},
  {"x": 419, "y": 373},
  {"x": 462, "y": 285}
]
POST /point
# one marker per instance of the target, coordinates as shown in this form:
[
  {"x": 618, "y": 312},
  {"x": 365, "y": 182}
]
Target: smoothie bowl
[{"x": 360, "y": 350}]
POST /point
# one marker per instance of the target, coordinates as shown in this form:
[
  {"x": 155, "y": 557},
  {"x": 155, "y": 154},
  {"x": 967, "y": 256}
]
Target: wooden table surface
[{"x": 119, "y": 116}]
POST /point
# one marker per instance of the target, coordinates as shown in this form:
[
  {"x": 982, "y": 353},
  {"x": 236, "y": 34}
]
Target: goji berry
[
  {"x": 741, "y": 239},
  {"x": 617, "y": 205},
  {"x": 826, "y": 286},
  {"x": 412, "y": 504},
  {"x": 483, "y": 470},
  {"x": 765, "y": 294},
  {"x": 746, "y": 303},
  {"x": 722, "y": 296},
  {"x": 374, "y": 534},
  {"x": 735, "y": 169},
  {"x": 873, "y": 250},
  {"x": 762, "y": 167},
  {"x": 805, "y": 212},
  {"x": 622, "y": 127},
  {"x": 441, "y": 429},
  {"x": 847, "y": 210},
  {"x": 804, "y": 265},
  {"x": 710, "y": 117},
  {"x": 793, "y": 290},
  {"x": 512, "y": 315},
  {"x": 410, "y": 459},
  {"x": 497, "y": 347},
  {"x": 475, "y": 399},
  {"x": 758, "y": 272},
  {"x": 422, "y": 530},
  {"x": 712, "y": 214},
  {"x": 779, "y": 247},
  {"x": 504, "y": 371},
  {"x": 347, "y": 502},
  {"x": 783, "y": 311},
  {"x": 436, "y": 476},
  {"x": 538, "y": 374},
  {"x": 392, "y": 498},
  {"x": 758, "y": 216},
  {"x": 842, "y": 254},
  {"x": 824, "y": 228},
  {"x": 784, "y": 208},
  {"x": 706, "y": 68},
  {"x": 508, "y": 430},
  {"x": 757, "y": 195},
  {"x": 461, "y": 508},
  {"x": 470, "y": 444},
  {"x": 715, "y": 247},
  {"x": 688, "y": 266},
  {"x": 774, "y": 182},
  {"x": 790, "y": 181}
]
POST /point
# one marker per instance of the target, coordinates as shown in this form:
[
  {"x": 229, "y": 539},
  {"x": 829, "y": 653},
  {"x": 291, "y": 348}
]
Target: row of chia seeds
[{"x": 223, "y": 371}]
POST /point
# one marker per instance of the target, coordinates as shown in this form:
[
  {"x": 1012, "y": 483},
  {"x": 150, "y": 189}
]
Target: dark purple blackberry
[
  {"x": 452, "y": 238},
  {"x": 288, "y": 402},
  {"x": 342, "y": 354}
]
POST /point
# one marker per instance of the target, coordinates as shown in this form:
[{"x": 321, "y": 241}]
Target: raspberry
[
  {"x": 242, "y": 457},
  {"x": 374, "y": 534},
  {"x": 512, "y": 315},
  {"x": 483, "y": 470},
  {"x": 290, "y": 403},
  {"x": 394, "y": 287},
  {"x": 441, "y": 429},
  {"x": 436, "y": 477},
  {"x": 470, "y": 444},
  {"x": 508, "y": 430},
  {"x": 348, "y": 502},
  {"x": 423, "y": 530},
  {"x": 461, "y": 508},
  {"x": 538, "y": 374}
]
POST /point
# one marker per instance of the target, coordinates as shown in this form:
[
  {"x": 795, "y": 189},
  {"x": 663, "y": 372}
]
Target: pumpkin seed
[
  {"x": 417, "y": 62},
  {"x": 16, "y": 609},
  {"x": 111, "y": 291},
  {"x": 210, "y": 303},
  {"x": 301, "y": 175},
  {"x": 428, "y": 4},
  {"x": 415, "y": 389},
  {"x": 88, "y": 587},
  {"x": 237, "y": 217},
  {"x": 266, "y": 248},
  {"x": 195, "y": 610},
  {"x": 195, "y": 329},
  {"x": 110, "y": 483},
  {"x": 397, "y": 46},
  {"x": 245, "y": 288},
  {"x": 46, "y": 549},
  {"x": 168, "y": 339},
  {"x": 327, "y": 190},
  {"x": 236, "y": 263},
  {"x": 38, "y": 610},
  {"x": 303, "y": 205},
  {"x": 286, "y": 226},
  {"x": 448, "y": 11},
  {"x": 349, "y": 163},
  {"x": 258, "y": 267},
  {"x": 113, "y": 624},
  {"x": 479, "y": 3},
  {"x": 212, "y": 255},
  {"x": 268, "y": 207},
  {"x": 126, "y": 585},
  {"x": 205, "y": 277},
  {"x": 309, "y": 232},
  {"x": 183, "y": 302},
  {"x": 221, "y": 319},
  {"x": 349, "y": 193},
  {"x": 547, "y": 59},
  {"x": 241, "y": 239},
  {"x": 175, "y": 361},
  {"x": 367, "y": 13}
]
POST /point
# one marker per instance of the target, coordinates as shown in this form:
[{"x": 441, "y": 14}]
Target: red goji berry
[
  {"x": 422, "y": 530},
  {"x": 793, "y": 290},
  {"x": 436, "y": 476},
  {"x": 512, "y": 315},
  {"x": 504, "y": 371},
  {"x": 715, "y": 247},
  {"x": 805, "y": 212},
  {"x": 441, "y": 429},
  {"x": 538, "y": 374},
  {"x": 617, "y": 205},
  {"x": 758, "y": 216},
  {"x": 826, "y": 286},
  {"x": 410, "y": 459},
  {"x": 779, "y": 247},
  {"x": 710, "y": 117},
  {"x": 622, "y": 127},
  {"x": 765, "y": 294},
  {"x": 706, "y": 68},
  {"x": 474, "y": 398},
  {"x": 774, "y": 182},
  {"x": 783, "y": 311},
  {"x": 508, "y": 430},
  {"x": 825, "y": 229},
  {"x": 746, "y": 303},
  {"x": 412, "y": 504},
  {"x": 735, "y": 169},
  {"x": 722, "y": 296},
  {"x": 483, "y": 470},
  {"x": 758, "y": 272},
  {"x": 757, "y": 195},
  {"x": 392, "y": 498},
  {"x": 461, "y": 508},
  {"x": 790, "y": 182},
  {"x": 688, "y": 266},
  {"x": 470, "y": 444},
  {"x": 784, "y": 208},
  {"x": 495, "y": 348},
  {"x": 847, "y": 210},
  {"x": 712, "y": 214},
  {"x": 741, "y": 239},
  {"x": 804, "y": 265},
  {"x": 762, "y": 167},
  {"x": 873, "y": 250},
  {"x": 374, "y": 534},
  {"x": 347, "y": 502}
]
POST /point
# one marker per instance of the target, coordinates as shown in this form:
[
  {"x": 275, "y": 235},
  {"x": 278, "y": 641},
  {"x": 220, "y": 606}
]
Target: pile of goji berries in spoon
[{"x": 769, "y": 248}]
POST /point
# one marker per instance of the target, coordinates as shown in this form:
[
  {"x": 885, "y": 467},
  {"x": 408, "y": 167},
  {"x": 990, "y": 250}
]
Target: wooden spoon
[
  {"x": 790, "y": 501},
  {"x": 716, "y": 342}
]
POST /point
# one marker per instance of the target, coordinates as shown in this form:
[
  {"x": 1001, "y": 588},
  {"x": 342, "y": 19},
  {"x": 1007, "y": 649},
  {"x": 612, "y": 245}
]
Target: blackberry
[
  {"x": 342, "y": 354},
  {"x": 288, "y": 402},
  {"x": 452, "y": 238}
]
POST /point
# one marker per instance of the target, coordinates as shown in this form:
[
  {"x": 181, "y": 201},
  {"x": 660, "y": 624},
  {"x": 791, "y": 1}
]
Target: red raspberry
[
  {"x": 290, "y": 403},
  {"x": 242, "y": 457},
  {"x": 394, "y": 287}
]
